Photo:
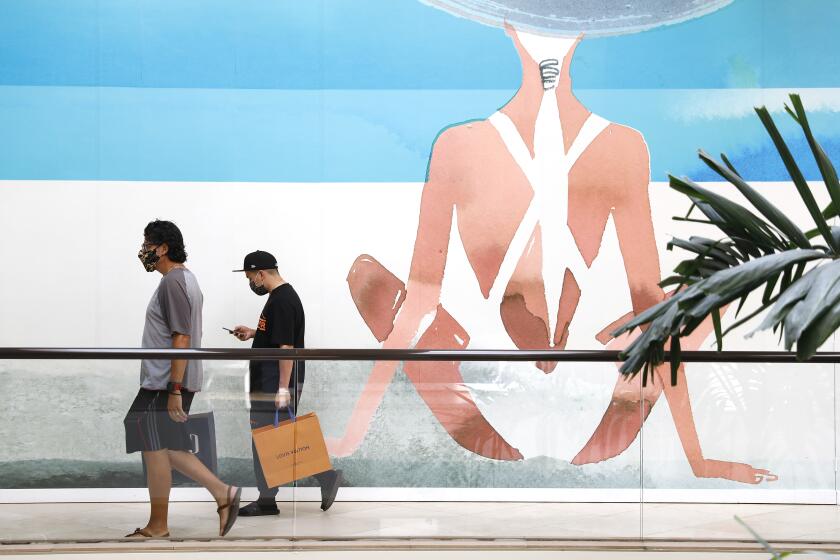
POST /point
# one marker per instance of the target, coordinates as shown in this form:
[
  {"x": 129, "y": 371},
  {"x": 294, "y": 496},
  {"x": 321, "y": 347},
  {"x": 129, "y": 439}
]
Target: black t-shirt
[{"x": 281, "y": 323}]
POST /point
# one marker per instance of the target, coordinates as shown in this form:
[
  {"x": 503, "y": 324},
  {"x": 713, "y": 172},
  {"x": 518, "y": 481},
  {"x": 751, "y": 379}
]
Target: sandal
[
  {"x": 233, "y": 511},
  {"x": 138, "y": 532}
]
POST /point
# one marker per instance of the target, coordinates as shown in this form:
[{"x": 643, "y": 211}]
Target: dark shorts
[{"x": 148, "y": 426}]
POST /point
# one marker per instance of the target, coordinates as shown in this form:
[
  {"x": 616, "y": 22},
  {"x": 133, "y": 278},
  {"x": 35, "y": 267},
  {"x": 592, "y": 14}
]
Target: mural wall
[{"x": 447, "y": 174}]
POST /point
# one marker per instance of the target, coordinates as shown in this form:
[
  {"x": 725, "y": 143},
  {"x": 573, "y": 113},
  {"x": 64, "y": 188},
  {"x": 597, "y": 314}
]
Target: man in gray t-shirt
[
  {"x": 156, "y": 422},
  {"x": 175, "y": 308}
]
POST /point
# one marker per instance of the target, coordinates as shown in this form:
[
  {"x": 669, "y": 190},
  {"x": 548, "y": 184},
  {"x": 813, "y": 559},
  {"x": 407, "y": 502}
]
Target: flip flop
[
  {"x": 138, "y": 532},
  {"x": 233, "y": 511}
]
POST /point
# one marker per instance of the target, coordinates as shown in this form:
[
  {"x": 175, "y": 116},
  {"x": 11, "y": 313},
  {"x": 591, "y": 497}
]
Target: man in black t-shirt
[{"x": 276, "y": 384}]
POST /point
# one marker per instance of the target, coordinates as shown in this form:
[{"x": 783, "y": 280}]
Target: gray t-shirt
[{"x": 175, "y": 307}]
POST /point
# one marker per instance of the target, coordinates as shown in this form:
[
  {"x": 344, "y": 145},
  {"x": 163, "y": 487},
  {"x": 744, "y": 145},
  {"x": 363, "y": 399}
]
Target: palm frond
[{"x": 760, "y": 250}]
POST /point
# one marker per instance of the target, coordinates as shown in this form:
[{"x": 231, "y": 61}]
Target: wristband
[{"x": 174, "y": 386}]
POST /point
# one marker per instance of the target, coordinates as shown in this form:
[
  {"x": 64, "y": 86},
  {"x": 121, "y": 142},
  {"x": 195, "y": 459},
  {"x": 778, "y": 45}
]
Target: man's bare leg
[
  {"x": 159, "y": 481},
  {"x": 190, "y": 466}
]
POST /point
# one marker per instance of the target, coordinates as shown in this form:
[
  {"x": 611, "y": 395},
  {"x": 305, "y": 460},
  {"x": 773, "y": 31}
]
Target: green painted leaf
[
  {"x": 757, "y": 270},
  {"x": 675, "y": 358},
  {"x": 729, "y": 164},
  {"x": 818, "y": 332},
  {"x": 741, "y": 301},
  {"x": 768, "y": 289},
  {"x": 735, "y": 220},
  {"x": 822, "y": 291},
  {"x": 830, "y": 211},
  {"x": 645, "y": 316},
  {"x": 750, "y": 316},
  {"x": 718, "y": 331},
  {"x": 790, "y": 297},
  {"x": 764, "y": 206},
  {"x": 829, "y": 174},
  {"x": 796, "y": 175}
]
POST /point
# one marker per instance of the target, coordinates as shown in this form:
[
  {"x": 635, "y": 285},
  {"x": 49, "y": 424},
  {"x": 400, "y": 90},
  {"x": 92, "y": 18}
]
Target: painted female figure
[{"x": 535, "y": 232}]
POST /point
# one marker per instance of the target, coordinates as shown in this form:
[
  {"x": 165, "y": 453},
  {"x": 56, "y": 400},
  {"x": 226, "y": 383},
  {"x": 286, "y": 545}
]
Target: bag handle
[
  {"x": 291, "y": 401},
  {"x": 277, "y": 415}
]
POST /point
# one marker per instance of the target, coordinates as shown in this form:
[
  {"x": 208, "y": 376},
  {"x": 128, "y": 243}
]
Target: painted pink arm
[
  {"x": 641, "y": 260},
  {"x": 631, "y": 402}
]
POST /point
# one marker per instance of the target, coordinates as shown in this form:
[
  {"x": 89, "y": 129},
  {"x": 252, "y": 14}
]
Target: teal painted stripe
[{"x": 340, "y": 136}]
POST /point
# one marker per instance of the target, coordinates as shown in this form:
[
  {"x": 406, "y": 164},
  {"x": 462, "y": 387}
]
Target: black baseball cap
[{"x": 258, "y": 260}]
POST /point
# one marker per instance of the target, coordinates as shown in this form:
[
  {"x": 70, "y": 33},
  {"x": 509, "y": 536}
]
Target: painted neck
[{"x": 549, "y": 53}]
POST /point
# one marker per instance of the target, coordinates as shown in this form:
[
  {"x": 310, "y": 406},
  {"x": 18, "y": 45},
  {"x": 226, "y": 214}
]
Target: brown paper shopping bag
[{"x": 291, "y": 450}]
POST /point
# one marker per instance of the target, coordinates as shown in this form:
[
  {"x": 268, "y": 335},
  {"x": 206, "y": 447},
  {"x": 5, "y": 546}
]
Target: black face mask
[
  {"x": 148, "y": 258},
  {"x": 259, "y": 290}
]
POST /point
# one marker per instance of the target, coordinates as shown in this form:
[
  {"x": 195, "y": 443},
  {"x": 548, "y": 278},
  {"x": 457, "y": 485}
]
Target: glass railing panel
[
  {"x": 477, "y": 449},
  {"x": 65, "y": 473},
  {"x": 438, "y": 450},
  {"x": 756, "y": 441}
]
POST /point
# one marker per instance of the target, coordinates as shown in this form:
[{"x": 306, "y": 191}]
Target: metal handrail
[{"x": 379, "y": 354}]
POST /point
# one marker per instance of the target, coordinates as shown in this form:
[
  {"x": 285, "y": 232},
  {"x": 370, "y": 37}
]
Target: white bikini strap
[
  {"x": 519, "y": 151},
  {"x": 592, "y": 127},
  {"x": 514, "y": 143}
]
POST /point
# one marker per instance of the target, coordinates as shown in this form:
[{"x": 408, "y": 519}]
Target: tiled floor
[
  {"x": 412, "y": 555},
  {"x": 52, "y": 522}
]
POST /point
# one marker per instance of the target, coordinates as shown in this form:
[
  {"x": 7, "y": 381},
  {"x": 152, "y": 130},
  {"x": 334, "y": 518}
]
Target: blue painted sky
[
  {"x": 329, "y": 90},
  {"x": 392, "y": 44}
]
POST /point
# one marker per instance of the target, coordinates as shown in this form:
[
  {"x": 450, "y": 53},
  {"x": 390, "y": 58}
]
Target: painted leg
[
  {"x": 630, "y": 406},
  {"x": 442, "y": 388},
  {"x": 378, "y": 295},
  {"x": 631, "y": 402},
  {"x": 362, "y": 415}
]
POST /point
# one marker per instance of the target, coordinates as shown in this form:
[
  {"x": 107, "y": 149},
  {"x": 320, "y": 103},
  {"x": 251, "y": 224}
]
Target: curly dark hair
[{"x": 161, "y": 231}]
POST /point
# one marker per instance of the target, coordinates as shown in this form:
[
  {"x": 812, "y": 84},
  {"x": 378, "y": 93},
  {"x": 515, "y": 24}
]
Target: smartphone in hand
[{"x": 228, "y": 330}]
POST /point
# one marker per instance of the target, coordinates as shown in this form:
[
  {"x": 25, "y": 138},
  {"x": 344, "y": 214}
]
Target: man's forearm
[
  {"x": 179, "y": 367},
  {"x": 285, "y": 371}
]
